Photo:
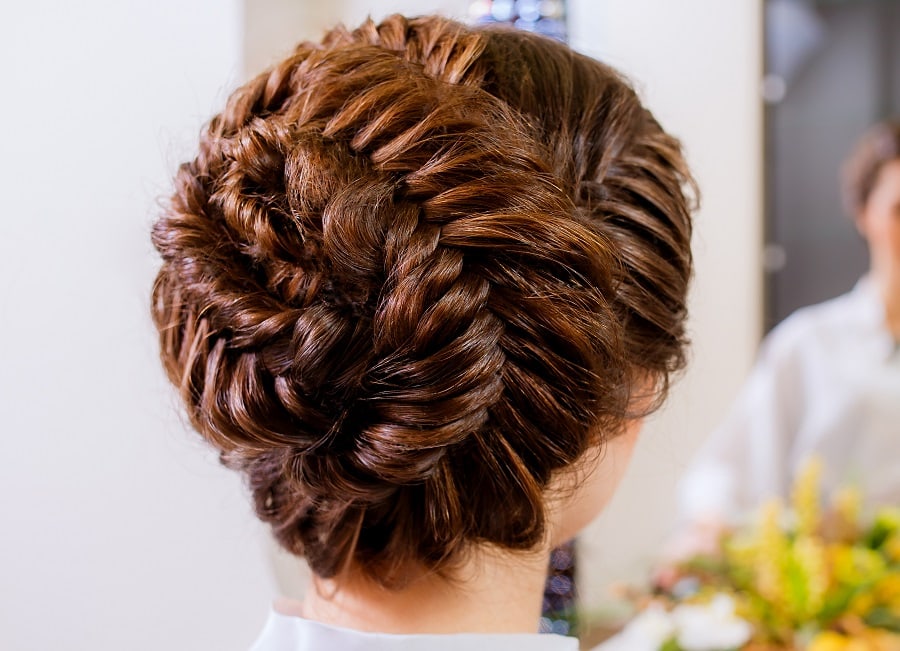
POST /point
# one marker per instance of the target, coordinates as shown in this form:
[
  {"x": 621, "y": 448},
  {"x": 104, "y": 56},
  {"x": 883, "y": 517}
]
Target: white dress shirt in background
[
  {"x": 827, "y": 383},
  {"x": 289, "y": 633}
]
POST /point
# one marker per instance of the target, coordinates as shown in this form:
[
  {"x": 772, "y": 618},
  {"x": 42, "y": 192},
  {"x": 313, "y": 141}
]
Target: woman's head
[
  {"x": 877, "y": 147},
  {"x": 872, "y": 189},
  {"x": 413, "y": 273}
]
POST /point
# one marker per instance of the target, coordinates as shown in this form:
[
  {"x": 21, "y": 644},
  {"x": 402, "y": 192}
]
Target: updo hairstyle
[{"x": 413, "y": 271}]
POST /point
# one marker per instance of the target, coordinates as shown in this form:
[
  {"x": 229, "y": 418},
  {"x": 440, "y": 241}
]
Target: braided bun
[{"x": 412, "y": 272}]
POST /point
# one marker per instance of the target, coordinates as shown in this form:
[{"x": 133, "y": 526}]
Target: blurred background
[
  {"x": 832, "y": 69},
  {"x": 119, "y": 529}
]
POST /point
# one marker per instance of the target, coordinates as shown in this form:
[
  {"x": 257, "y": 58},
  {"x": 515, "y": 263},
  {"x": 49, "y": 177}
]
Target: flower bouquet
[{"x": 800, "y": 578}]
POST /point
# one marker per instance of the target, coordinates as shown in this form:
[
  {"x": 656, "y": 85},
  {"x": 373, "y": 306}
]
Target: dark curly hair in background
[{"x": 412, "y": 272}]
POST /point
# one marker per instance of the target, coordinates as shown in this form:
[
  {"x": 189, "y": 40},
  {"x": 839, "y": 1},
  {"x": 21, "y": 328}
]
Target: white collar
[{"x": 289, "y": 633}]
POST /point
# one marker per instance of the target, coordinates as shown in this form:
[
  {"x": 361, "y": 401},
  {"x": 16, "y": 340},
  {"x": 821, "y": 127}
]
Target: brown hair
[
  {"x": 877, "y": 147},
  {"x": 412, "y": 272}
]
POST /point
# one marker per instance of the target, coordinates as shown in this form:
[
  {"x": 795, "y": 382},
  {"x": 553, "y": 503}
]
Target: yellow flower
[
  {"x": 809, "y": 554},
  {"x": 892, "y": 547},
  {"x": 887, "y": 592},
  {"x": 741, "y": 551},
  {"x": 861, "y": 604},
  {"x": 846, "y": 506},
  {"x": 805, "y": 497},
  {"x": 869, "y": 640},
  {"x": 855, "y": 566},
  {"x": 829, "y": 641},
  {"x": 847, "y": 502},
  {"x": 888, "y": 518},
  {"x": 771, "y": 548},
  {"x": 881, "y": 640}
]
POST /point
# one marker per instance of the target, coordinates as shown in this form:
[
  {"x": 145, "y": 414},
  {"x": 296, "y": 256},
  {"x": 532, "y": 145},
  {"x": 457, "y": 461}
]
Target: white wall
[
  {"x": 117, "y": 529},
  {"x": 273, "y": 27}
]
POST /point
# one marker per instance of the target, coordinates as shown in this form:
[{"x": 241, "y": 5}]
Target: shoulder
[{"x": 813, "y": 327}]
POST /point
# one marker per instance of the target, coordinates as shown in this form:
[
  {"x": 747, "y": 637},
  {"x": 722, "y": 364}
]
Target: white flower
[
  {"x": 646, "y": 632},
  {"x": 710, "y": 627}
]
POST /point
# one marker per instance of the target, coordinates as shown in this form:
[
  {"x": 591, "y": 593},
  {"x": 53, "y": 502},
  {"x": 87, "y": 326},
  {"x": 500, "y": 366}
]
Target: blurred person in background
[
  {"x": 826, "y": 383},
  {"x": 420, "y": 285}
]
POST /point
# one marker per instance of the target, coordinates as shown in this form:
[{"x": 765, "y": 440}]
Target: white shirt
[
  {"x": 289, "y": 633},
  {"x": 827, "y": 383}
]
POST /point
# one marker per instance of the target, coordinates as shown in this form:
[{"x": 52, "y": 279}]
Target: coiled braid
[{"x": 399, "y": 293}]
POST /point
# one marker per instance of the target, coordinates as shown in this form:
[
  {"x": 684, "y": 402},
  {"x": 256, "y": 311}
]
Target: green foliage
[{"x": 825, "y": 572}]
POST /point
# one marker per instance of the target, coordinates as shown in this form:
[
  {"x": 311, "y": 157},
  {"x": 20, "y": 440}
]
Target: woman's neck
[
  {"x": 889, "y": 289},
  {"x": 493, "y": 593}
]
